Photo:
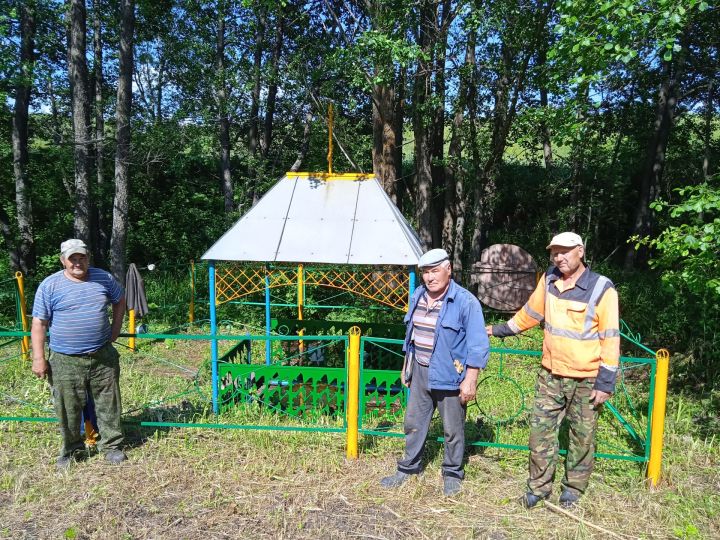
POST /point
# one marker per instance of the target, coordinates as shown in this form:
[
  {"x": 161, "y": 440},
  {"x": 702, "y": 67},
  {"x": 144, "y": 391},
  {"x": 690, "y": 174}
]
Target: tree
[
  {"x": 26, "y": 248},
  {"x": 101, "y": 239},
  {"x": 122, "y": 138},
  {"x": 78, "y": 74}
]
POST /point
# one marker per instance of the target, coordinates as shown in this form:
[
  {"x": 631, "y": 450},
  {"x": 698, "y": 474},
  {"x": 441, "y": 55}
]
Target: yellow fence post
[
  {"x": 25, "y": 342},
  {"x": 657, "y": 427},
  {"x": 330, "y": 138},
  {"x": 352, "y": 396},
  {"x": 301, "y": 302},
  {"x": 131, "y": 329},
  {"x": 191, "y": 310}
]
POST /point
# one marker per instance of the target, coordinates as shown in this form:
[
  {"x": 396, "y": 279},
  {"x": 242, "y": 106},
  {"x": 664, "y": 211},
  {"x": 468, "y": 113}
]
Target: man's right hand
[
  {"x": 488, "y": 329},
  {"x": 40, "y": 367}
]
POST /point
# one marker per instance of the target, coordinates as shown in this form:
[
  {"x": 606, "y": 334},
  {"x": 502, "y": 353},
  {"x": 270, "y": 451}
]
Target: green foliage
[
  {"x": 590, "y": 38},
  {"x": 688, "y": 249}
]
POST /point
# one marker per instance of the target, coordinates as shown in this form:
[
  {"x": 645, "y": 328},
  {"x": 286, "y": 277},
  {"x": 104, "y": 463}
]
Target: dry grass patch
[{"x": 231, "y": 484}]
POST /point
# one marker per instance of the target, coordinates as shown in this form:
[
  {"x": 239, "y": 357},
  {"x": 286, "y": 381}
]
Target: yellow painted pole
[
  {"x": 131, "y": 329},
  {"x": 657, "y": 427},
  {"x": 25, "y": 342},
  {"x": 191, "y": 310},
  {"x": 301, "y": 302},
  {"x": 330, "y": 137},
  {"x": 352, "y": 396}
]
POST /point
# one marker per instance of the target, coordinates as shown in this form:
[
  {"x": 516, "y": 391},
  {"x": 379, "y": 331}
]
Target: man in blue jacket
[{"x": 445, "y": 347}]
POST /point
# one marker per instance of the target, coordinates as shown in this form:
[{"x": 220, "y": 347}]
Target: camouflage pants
[
  {"x": 557, "y": 398},
  {"x": 71, "y": 378}
]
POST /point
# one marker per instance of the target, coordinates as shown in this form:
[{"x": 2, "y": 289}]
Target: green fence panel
[{"x": 499, "y": 417}]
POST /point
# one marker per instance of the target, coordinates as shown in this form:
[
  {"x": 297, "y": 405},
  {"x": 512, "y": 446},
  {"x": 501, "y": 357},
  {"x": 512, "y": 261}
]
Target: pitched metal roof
[{"x": 321, "y": 218}]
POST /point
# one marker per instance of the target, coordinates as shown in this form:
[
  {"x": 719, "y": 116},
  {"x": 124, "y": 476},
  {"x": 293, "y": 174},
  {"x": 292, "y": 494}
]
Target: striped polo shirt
[
  {"x": 424, "y": 321},
  {"x": 77, "y": 310}
]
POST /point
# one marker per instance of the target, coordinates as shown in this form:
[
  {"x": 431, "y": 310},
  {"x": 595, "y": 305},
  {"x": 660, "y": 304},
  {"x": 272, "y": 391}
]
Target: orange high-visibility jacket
[{"x": 582, "y": 326}]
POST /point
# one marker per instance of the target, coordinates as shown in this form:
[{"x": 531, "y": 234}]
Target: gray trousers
[
  {"x": 420, "y": 409},
  {"x": 71, "y": 377}
]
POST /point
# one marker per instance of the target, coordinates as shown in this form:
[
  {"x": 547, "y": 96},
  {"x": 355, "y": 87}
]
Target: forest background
[{"x": 148, "y": 127}]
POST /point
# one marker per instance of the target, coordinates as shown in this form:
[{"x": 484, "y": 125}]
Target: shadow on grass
[{"x": 137, "y": 435}]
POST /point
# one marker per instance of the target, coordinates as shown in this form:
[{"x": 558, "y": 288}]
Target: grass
[{"x": 187, "y": 483}]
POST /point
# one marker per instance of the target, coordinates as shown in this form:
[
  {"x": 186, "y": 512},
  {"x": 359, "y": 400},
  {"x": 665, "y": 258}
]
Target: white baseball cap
[
  {"x": 566, "y": 239},
  {"x": 72, "y": 246},
  {"x": 432, "y": 258}
]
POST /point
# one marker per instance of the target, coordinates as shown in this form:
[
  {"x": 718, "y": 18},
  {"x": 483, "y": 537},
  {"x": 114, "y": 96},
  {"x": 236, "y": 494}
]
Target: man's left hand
[{"x": 598, "y": 397}]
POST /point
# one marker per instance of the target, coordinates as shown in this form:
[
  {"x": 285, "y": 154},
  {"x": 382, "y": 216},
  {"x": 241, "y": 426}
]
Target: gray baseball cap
[
  {"x": 566, "y": 239},
  {"x": 72, "y": 246},
  {"x": 432, "y": 258}
]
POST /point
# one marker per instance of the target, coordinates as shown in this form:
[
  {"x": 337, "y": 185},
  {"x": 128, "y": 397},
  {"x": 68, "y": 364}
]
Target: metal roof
[{"x": 321, "y": 218}]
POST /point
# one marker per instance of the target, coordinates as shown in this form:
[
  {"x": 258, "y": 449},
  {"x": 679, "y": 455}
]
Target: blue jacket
[{"x": 459, "y": 335}]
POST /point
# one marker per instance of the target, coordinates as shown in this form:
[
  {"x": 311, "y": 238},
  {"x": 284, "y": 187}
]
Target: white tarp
[{"x": 340, "y": 219}]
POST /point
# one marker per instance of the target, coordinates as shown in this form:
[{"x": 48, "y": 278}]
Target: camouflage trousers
[
  {"x": 72, "y": 377},
  {"x": 557, "y": 398}
]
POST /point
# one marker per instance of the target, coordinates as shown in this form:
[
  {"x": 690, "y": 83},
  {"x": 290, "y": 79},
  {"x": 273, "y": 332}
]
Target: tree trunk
[
  {"x": 26, "y": 247},
  {"x": 474, "y": 159},
  {"x": 9, "y": 238},
  {"x": 272, "y": 86},
  {"x": 159, "y": 88},
  {"x": 102, "y": 242},
  {"x": 454, "y": 224},
  {"x": 544, "y": 128},
  {"x": 437, "y": 130},
  {"x": 651, "y": 175},
  {"x": 401, "y": 184},
  {"x": 122, "y": 153},
  {"x": 383, "y": 152},
  {"x": 423, "y": 174},
  {"x": 78, "y": 72},
  {"x": 221, "y": 97},
  {"x": 707, "y": 131},
  {"x": 485, "y": 186},
  {"x": 253, "y": 137},
  {"x": 578, "y": 157},
  {"x": 305, "y": 145}
]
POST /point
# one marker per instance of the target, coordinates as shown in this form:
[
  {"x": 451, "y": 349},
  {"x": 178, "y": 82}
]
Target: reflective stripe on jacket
[
  {"x": 582, "y": 326},
  {"x": 459, "y": 337}
]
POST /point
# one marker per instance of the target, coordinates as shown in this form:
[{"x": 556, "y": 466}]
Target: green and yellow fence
[{"x": 344, "y": 383}]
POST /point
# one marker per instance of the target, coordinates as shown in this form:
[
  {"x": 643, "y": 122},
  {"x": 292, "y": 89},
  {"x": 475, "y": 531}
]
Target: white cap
[
  {"x": 72, "y": 246},
  {"x": 433, "y": 258},
  {"x": 566, "y": 239}
]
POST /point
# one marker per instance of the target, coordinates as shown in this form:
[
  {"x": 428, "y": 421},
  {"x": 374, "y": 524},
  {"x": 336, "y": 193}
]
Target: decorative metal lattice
[
  {"x": 233, "y": 281},
  {"x": 305, "y": 391},
  {"x": 295, "y": 391},
  {"x": 387, "y": 287}
]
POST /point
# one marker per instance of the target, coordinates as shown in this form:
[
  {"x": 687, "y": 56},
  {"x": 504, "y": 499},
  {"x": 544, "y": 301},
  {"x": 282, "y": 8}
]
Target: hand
[
  {"x": 488, "y": 329},
  {"x": 468, "y": 389},
  {"x": 598, "y": 397},
  {"x": 403, "y": 381},
  {"x": 40, "y": 367}
]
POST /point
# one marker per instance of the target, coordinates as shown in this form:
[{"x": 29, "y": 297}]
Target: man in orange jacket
[{"x": 581, "y": 352}]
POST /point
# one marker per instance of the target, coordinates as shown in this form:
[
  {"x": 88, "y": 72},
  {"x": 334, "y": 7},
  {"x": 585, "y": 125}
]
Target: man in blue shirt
[
  {"x": 445, "y": 348},
  {"x": 73, "y": 304}
]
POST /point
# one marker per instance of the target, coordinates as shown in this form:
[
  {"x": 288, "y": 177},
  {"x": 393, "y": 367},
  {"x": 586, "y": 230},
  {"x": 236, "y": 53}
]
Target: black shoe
[
  {"x": 63, "y": 463},
  {"x": 394, "y": 481},
  {"x": 451, "y": 486},
  {"x": 568, "y": 499},
  {"x": 115, "y": 456},
  {"x": 530, "y": 500}
]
